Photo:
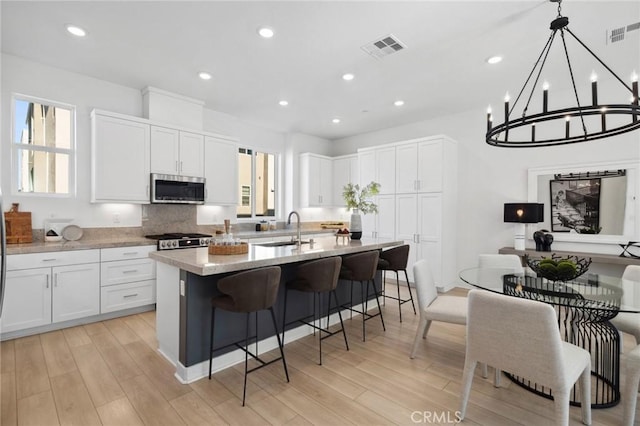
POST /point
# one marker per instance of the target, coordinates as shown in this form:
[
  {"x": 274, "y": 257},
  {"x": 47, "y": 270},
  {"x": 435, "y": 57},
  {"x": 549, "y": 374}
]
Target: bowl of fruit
[
  {"x": 343, "y": 233},
  {"x": 557, "y": 268}
]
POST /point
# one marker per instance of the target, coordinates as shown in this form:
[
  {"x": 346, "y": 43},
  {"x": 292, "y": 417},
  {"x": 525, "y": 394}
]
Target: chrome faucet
[{"x": 289, "y": 223}]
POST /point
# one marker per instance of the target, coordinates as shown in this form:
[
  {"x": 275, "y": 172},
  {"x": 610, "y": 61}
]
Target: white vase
[{"x": 356, "y": 225}]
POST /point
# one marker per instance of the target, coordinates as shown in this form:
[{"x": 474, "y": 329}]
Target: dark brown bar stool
[
  {"x": 362, "y": 267},
  {"x": 395, "y": 259},
  {"x": 317, "y": 277},
  {"x": 246, "y": 292}
]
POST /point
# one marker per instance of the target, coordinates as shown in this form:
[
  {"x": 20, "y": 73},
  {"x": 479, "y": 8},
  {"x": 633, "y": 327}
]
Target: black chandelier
[{"x": 603, "y": 120}]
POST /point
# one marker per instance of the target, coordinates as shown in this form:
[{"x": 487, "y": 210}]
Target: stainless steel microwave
[{"x": 172, "y": 189}]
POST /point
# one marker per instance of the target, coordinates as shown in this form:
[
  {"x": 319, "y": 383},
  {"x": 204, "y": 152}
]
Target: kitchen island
[{"x": 186, "y": 282}]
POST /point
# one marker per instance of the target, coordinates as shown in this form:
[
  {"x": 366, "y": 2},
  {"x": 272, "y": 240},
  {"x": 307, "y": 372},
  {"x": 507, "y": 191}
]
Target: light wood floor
[{"x": 109, "y": 373}]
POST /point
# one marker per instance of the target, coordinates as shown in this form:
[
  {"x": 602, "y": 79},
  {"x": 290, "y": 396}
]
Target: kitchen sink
[{"x": 279, "y": 243}]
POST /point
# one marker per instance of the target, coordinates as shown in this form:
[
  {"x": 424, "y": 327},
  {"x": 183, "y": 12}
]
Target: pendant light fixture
[{"x": 579, "y": 123}]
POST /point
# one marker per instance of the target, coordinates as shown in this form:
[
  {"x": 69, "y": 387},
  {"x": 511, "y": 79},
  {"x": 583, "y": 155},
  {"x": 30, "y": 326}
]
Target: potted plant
[{"x": 358, "y": 200}]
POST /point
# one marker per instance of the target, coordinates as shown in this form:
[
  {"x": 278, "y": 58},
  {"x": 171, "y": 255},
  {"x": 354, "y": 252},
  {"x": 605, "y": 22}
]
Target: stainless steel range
[{"x": 180, "y": 240}]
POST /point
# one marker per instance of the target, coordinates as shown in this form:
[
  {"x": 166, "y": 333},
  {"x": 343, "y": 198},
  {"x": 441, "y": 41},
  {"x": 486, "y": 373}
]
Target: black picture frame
[{"x": 575, "y": 205}]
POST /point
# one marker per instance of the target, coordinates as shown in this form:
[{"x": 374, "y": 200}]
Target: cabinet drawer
[
  {"x": 56, "y": 258},
  {"x": 124, "y": 296},
  {"x": 126, "y": 271},
  {"x": 125, "y": 253}
]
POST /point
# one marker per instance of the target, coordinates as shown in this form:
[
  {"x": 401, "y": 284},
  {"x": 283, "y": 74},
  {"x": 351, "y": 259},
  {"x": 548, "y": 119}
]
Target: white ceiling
[{"x": 443, "y": 70}]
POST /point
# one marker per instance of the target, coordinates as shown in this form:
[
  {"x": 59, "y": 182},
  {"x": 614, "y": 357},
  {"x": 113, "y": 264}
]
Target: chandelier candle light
[{"x": 624, "y": 116}]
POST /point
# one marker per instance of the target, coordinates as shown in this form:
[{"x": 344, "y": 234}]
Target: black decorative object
[
  {"x": 543, "y": 240},
  {"x": 590, "y": 118},
  {"x": 626, "y": 249},
  {"x": 557, "y": 268}
]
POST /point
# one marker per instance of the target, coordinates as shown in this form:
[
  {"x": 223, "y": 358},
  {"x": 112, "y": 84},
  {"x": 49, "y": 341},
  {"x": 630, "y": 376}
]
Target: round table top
[{"x": 589, "y": 291}]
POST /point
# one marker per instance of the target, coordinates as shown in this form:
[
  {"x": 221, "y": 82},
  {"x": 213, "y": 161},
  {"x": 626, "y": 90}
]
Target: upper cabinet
[
  {"x": 419, "y": 165},
  {"x": 316, "y": 180},
  {"x": 378, "y": 165},
  {"x": 119, "y": 159},
  {"x": 221, "y": 171},
  {"x": 176, "y": 152},
  {"x": 345, "y": 170}
]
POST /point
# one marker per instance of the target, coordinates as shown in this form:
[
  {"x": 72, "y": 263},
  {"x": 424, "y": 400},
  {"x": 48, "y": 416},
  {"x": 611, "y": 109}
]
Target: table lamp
[{"x": 521, "y": 214}]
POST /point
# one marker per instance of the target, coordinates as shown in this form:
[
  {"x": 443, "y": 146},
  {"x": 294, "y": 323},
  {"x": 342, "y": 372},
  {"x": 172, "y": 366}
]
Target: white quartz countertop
[{"x": 199, "y": 261}]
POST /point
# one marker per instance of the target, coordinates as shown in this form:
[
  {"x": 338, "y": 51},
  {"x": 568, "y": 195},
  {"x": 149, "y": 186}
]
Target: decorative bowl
[{"x": 559, "y": 268}]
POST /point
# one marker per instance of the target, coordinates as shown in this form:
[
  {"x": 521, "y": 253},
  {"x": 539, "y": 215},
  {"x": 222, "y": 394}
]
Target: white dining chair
[
  {"x": 630, "y": 392},
  {"x": 494, "y": 266},
  {"x": 450, "y": 309},
  {"x": 629, "y": 322},
  {"x": 521, "y": 336}
]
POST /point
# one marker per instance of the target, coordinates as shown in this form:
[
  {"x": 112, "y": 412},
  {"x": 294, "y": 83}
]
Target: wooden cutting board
[{"x": 18, "y": 225}]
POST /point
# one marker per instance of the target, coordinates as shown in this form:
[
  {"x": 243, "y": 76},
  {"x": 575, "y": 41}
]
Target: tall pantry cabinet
[{"x": 424, "y": 200}]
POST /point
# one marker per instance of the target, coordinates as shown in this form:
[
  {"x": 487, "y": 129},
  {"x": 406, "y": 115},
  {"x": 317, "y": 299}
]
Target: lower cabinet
[
  {"x": 127, "y": 278},
  {"x": 44, "y": 295}
]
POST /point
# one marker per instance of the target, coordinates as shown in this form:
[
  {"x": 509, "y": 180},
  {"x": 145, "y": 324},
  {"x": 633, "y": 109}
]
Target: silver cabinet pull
[
  {"x": 47, "y": 285},
  {"x": 49, "y": 260},
  {"x": 130, "y": 253},
  {"x": 177, "y": 169},
  {"x": 130, "y": 295},
  {"x": 55, "y": 280},
  {"x": 130, "y": 271}
]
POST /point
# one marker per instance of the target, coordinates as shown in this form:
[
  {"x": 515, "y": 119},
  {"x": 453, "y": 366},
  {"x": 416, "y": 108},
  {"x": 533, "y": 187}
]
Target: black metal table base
[{"x": 584, "y": 323}]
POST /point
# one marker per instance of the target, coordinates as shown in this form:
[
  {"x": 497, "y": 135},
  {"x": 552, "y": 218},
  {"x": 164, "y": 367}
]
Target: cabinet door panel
[
  {"x": 386, "y": 217},
  {"x": 124, "y": 271},
  {"x": 191, "y": 154},
  {"x": 164, "y": 150},
  {"x": 326, "y": 182},
  {"x": 430, "y": 166},
  {"x": 367, "y": 167},
  {"x": 406, "y": 168},
  {"x": 430, "y": 216},
  {"x": 341, "y": 177},
  {"x": 76, "y": 291},
  {"x": 125, "y": 296},
  {"x": 221, "y": 171},
  {"x": 27, "y": 301},
  {"x": 386, "y": 168},
  {"x": 406, "y": 222},
  {"x": 119, "y": 160}
]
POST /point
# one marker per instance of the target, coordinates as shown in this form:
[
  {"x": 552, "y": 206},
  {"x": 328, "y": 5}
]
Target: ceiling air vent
[
  {"x": 384, "y": 46},
  {"x": 618, "y": 34}
]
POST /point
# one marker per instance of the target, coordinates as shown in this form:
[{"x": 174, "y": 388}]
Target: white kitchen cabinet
[
  {"x": 221, "y": 171},
  {"x": 127, "y": 278},
  {"x": 42, "y": 288},
  {"x": 345, "y": 170},
  {"x": 76, "y": 291},
  {"x": 419, "y": 165},
  {"x": 378, "y": 165},
  {"x": 316, "y": 180},
  {"x": 382, "y": 224},
  {"x": 176, "y": 152},
  {"x": 119, "y": 158},
  {"x": 27, "y": 299}
]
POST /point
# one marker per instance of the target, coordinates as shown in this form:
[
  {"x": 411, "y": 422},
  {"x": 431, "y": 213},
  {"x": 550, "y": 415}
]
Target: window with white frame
[
  {"x": 43, "y": 146},
  {"x": 257, "y": 184}
]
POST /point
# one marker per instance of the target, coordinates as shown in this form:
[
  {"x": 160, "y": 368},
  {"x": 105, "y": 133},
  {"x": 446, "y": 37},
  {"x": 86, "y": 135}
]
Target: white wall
[{"x": 489, "y": 176}]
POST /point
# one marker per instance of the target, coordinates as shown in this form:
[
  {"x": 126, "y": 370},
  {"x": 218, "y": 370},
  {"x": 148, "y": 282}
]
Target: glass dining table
[{"x": 584, "y": 307}]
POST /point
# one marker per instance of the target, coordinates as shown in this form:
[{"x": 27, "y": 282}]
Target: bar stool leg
[
  {"x": 280, "y": 342},
  {"x": 378, "y": 302},
  {"x": 213, "y": 315},
  {"x": 284, "y": 314},
  {"x": 410, "y": 295},
  {"x": 351, "y": 311},
  {"x": 365, "y": 297},
  {"x": 340, "y": 316},
  {"x": 246, "y": 358},
  {"x": 399, "y": 300},
  {"x": 319, "y": 324},
  {"x": 384, "y": 288}
]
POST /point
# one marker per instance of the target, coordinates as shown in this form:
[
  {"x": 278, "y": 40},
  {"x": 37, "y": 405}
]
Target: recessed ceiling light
[
  {"x": 283, "y": 103},
  {"x": 399, "y": 102},
  {"x": 265, "y": 32},
  {"x": 348, "y": 76},
  {"x": 494, "y": 60},
  {"x": 335, "y": 120},
  {"x": 204, "y": 75},
  {"x": 76, "y": 31}
]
